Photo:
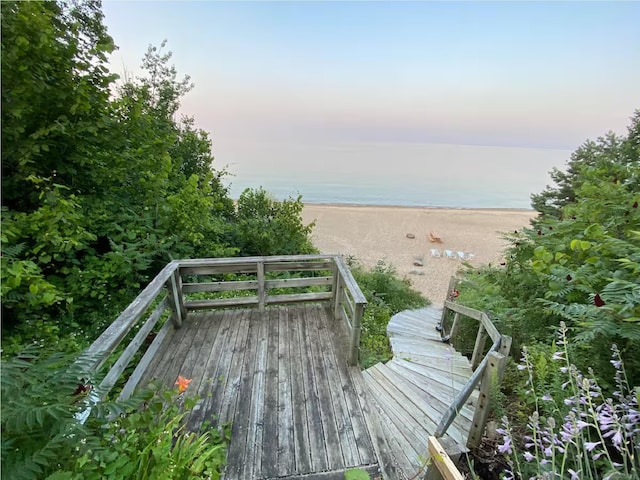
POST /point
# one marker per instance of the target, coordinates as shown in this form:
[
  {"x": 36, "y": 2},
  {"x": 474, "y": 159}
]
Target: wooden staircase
[{"x": 413, "y": 390}]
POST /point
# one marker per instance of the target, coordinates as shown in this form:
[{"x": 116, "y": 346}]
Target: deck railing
[
  {"x": 170, "y": 290},
  {"x": 487, "y": 369}
]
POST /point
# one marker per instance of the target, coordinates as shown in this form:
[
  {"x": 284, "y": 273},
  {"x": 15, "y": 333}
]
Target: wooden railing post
[
  {"x": 176, "y": 302},
  {"x": 495, "y": 364},
  {"x": 454, "y": 327},
  {"x": 356, "y": 328},
  {"x": 337, "y": 295},
  {"x": 262, "y": 295},
  {"x": 478, "y": 350}
]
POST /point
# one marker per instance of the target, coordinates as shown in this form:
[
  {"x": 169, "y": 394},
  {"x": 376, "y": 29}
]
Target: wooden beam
[
  {"x": 220, "y": 286},
  {"x": 221, "y": 303},
  {"x": 123, "y": 361},
  {"x": 466, "y": 311},
  {"x": 356, "y": 328},
  {"x": 491, "y": 375},
  {"x": 446, "y": 469},
  {"x": 299, "y": 282},
  {"x": 298, "y": 297},
  {"x": 478, "y": 349},
  {"x": 144, "y": 362},
  {"x": 96, "y": 354},
  {"x": 261, "y": 287}
]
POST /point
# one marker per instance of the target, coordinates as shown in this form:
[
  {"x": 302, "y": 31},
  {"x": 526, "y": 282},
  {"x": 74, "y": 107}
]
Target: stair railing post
[
  {"x": 454, "y": 327},
  {"x": 261, "y": 287},
  {"x": 478, "y": 349},
  {"x": 174, "y": 295},
  {"x": 490, "y": 380},
  {"x": 356, "y": 327}
]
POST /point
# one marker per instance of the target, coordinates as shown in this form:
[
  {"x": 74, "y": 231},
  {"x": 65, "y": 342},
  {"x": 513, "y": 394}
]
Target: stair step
[
  {"x": 432, "y": 406},
  {"x": 401, "y": 450},
  {"x": 427, "y": 386},
  {"x": 426, "y": 374},
  {"x": 407, "y": 420},
  {"x": 426, "y": 415}
]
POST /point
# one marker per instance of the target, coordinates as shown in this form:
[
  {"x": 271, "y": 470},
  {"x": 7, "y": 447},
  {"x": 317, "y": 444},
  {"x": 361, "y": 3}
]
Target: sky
[{"x": 518, "y": 74}]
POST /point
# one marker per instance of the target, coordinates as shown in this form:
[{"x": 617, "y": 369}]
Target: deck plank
[
  {"x": 303, "y": 401},
  {"x": 320, "y": 378},
  {"x": 282, "y": 380},
  {"x": 341, "y": 417},
  {"x": 286, "y": 460},
  {"x": 271, "y": 436}
]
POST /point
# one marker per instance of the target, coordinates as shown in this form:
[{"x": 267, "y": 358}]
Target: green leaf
[{"x": 356, "y": 474}]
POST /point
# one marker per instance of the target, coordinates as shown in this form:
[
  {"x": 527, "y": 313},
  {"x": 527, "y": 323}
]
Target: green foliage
[
  {"x": 386, "y": 295},
  {"x": 356, "y": 474},
  {"x": 142, "y": 438},
  {"x": 270, "y": 227},
  {"x": 99, "y": 189},
  {"x": 579, "y": 262}
]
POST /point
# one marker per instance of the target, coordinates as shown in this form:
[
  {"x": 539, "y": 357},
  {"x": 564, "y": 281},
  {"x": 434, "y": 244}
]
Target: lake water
[{"x": 430, "y": 175}]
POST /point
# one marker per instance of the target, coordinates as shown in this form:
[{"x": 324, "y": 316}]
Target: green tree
[
  {"x": 579, "y": 262},
  {"x": 270, "y": 227}
]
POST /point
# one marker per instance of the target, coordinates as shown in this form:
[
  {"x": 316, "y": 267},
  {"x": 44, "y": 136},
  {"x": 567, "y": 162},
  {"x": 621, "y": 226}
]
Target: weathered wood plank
[
  {"x": 298, "y": 298},
  {"x": 145, "y": 362},
  {"x": 318, "y": 327},
  {"x": 221, "y": 303},
  {"x": 228, "y": 404},
  {"x": 287, "y": 376},
  {"x": 211, "y": 385},
  {"x": 389, "y": 408},
  {"x": 134, "y": 345},
  {"x": 98, "y": 351},
  {"x": 238, "y": 456},
  {"x": 252, "y": 467},
  {"x": 309, "y": 265},
  {"x": 327, "y": 392},
  {"x": 395, "y": 408},
  {"x": 167, "y": 370},
  {"x": 442, "y": 462},
  {"x": 220, "y": 286},
  {"x": 299, "y": 282},
  {"x": 491, "y": 375},
  {"x": 350, "y": 282},
  {"x": 209, "y": 330},
  {"x": 373, "y": 430},
  {"x": 271, "y": 435},
  {"x": 304, "y": 402}
]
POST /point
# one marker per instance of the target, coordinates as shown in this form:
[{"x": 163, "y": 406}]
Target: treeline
[
  {"x": 102, "y": 183},
  {"x": 578, "y": 262}
]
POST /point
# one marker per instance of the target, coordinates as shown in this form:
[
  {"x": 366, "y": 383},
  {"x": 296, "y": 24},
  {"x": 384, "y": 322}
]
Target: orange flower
[{"x": 182, "y": 383}]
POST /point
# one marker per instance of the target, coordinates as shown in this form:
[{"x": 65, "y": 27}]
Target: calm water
[{"x": 393, "y": 173}]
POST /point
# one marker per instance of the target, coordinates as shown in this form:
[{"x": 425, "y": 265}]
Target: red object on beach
[{"x": 434, "y": 237}]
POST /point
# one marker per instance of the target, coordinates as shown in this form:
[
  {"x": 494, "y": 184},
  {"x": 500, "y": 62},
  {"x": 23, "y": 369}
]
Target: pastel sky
[{"x": 526, "y": 74}]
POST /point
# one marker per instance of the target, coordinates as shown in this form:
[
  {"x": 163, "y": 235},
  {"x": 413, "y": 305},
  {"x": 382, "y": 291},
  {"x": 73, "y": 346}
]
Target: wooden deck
[{"x": 282, "y": 380}]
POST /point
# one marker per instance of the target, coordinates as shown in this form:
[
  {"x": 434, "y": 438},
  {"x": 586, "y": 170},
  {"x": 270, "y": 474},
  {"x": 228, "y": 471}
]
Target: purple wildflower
[
  {"x": 574, "y": 475},
  {"x": 591, "y": 445},
  {"x": 506, "y": 446}
]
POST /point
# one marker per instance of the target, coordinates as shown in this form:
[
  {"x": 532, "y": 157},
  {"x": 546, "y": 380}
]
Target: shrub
[{"x": 144, "y": 437}]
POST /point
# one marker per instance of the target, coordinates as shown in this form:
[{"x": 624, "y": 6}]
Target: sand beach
[{"x": 372, "y": 233}]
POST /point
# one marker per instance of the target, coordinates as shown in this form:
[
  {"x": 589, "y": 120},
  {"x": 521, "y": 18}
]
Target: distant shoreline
[{"x": 419, "y": 207}]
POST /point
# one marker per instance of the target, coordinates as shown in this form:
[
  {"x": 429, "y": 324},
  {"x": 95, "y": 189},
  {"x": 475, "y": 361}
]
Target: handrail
[
  {"x": 485, "y": 369},
  {"x": 345, "y": 297}
]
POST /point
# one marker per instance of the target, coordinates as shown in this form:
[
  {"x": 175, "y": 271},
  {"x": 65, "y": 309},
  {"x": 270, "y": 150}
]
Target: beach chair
[
  {"x": 434, "y": 237},
  {"x": 450, "y": 255},
  {"x": 461, "y": 256},
  {"x": 435, "y": 253},
  {"x": 469, "y": 256}
]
